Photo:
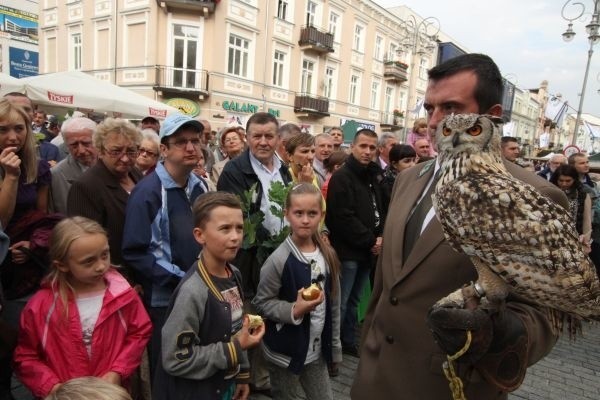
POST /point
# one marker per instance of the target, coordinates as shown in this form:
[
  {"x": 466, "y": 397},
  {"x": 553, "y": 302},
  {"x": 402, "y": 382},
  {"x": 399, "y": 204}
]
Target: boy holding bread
[{"x": 205, "y": 334}]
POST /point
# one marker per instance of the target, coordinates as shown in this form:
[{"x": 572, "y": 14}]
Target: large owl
[{"x": 518, "y": 239}]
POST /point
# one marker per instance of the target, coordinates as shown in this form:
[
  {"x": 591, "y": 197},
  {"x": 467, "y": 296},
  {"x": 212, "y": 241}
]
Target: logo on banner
[
  {"x": 155, "y": 112},
  {"x": 60, "y": 98}
]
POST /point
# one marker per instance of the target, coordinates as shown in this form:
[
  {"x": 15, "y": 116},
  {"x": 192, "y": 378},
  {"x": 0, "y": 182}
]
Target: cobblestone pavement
[{"x": 570, "y": 372}]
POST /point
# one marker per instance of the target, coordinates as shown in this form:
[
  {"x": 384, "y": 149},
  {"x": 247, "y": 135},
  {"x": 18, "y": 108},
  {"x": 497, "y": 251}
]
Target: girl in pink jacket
[{"x": 86, "y": 320}]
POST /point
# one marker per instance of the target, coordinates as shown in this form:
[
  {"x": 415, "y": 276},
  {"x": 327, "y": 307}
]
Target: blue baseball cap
[{"x": 176, "y": 121}]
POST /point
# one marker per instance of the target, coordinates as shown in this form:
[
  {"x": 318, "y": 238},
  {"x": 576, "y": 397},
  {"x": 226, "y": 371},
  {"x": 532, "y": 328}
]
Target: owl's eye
[
  {"x": 446, "y": 131},
  {"x": 474, "y": 130}
]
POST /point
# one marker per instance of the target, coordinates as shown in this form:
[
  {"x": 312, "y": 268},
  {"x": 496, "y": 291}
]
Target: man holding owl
[{"x": 399, "y": 358}]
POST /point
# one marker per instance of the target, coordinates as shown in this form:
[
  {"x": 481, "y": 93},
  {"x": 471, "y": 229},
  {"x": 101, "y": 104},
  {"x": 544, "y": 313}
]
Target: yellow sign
[{"x": 186, "y": 106}]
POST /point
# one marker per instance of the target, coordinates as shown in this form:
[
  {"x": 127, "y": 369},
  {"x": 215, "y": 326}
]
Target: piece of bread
[
  {"x": 254, "y": 321},
  {"x": 312, "y": 292}
]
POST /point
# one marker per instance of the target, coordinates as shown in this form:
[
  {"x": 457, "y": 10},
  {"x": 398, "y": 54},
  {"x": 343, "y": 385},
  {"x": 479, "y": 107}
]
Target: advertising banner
[
  {"x": 20, "y": 24},
  {"x": 23, "y": 62}
]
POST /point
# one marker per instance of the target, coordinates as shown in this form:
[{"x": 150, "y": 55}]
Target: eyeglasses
[
  {"x": 182, "y": 143},
  {"x": 150, "y": 153},
  {"x": 118, "y": 153}
]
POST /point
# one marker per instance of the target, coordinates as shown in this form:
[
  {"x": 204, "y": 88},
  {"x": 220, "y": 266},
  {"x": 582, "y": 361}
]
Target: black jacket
[
  {"x": 237, "y": 177},
  {"x": 350, "y": 215}
]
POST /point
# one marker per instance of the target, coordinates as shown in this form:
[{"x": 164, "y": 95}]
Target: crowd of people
[{"x": 128, "y": 257}]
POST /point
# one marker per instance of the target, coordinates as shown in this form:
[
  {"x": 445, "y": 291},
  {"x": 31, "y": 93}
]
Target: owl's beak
[{"x": 456, "y": 139}]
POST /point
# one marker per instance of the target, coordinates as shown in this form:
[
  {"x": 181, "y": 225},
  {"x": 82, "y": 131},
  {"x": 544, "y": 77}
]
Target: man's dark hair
[
  {"x": 508, "y": 139},
  {"x": 565, "y": 170},
  {"x": 489, "y": 89},
  {"x": 366, "y": 132},
  {"x": 401, "y": 151},
  {"x": 261, "y": 118}
]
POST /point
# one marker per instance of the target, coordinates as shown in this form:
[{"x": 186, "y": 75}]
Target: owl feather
[{"x": 519, "y": 240}]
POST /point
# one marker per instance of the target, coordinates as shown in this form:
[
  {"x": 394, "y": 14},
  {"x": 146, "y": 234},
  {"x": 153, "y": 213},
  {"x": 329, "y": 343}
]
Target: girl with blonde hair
[{"x": 85, "y": 320}]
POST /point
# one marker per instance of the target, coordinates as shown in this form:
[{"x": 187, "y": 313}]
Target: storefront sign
[
  {"x": 359, "y": 124},
  {"x": 240, "y": 107},
  {"x": 23, "y": 62},
  {"x": 249, "y": 108},
  {"x": 186, "y": 106}
]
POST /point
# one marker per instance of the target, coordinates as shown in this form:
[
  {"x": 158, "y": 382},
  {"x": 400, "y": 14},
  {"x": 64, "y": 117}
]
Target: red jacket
[{"x": 51, "y": 349}]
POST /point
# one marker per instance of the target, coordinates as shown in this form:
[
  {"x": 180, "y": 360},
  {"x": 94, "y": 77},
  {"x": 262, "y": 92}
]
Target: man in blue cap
[{"x": 157, "y": 238}]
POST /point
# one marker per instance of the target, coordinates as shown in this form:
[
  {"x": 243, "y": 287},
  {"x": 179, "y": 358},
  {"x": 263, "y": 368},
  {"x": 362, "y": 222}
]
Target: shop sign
[
  {"x": 240, "y": 107},
  {"x": 186, "y": 106}
]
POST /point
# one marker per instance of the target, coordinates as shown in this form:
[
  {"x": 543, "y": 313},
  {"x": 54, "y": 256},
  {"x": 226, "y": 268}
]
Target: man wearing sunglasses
[{"x": 158, "y": 241}]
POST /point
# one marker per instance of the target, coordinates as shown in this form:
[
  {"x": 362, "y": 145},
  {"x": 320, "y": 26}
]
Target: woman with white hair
[{"x": 148, "y": 158}]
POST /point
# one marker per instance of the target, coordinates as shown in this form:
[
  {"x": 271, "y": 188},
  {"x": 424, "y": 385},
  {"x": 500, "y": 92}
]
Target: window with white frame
[
  {"x": 358, "y": 38},
  {"x": 389, "y": 99},
  {"x": 391, "y": 56},
  {"x": 306, "y": 84},
  {"x": 311, "y": 13},
  {"x": 334, "y": 19},
  {"x": 185, "y": 56},
  {"x": 237, "y": 61},
  {"x": 330, "y": 82},
  {"x": 75, "y": 60},
  {"x": 282, "y": 7},
  {"x": 423, "y": 67},
  {"x": 375, "y": 95},
  {"x": 354, "y": 95},
  {"x": 278, "y": 68},
  {"x": 377, "y": 50}
]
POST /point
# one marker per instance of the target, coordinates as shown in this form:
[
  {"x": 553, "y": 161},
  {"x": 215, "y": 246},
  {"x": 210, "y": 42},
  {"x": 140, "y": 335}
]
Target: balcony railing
[
  {"x": 205, "y": 7},
  {"x": 311, "y": 104},
  {"x": 181, "y": 79},
  {"x": 395, "y": 71},
  {"x": 315, "y": 39},
  {"x": 390, "y": 120}
]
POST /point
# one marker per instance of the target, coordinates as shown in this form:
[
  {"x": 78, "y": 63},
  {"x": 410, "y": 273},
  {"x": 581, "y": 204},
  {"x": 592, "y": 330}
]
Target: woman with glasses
[
  {"x": 148, "y": 157},
  {"x": 232, "y": 144},
  {"x": 101, "y": 193}
]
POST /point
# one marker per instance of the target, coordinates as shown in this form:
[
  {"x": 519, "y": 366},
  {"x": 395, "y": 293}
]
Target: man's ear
[
  {"x": 162, "y": 148},
  {"x": 199, "y": 236}
]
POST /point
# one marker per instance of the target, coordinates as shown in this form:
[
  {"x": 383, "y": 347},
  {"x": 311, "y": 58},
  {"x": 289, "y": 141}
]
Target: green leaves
[{"x": 254, "y": 233}]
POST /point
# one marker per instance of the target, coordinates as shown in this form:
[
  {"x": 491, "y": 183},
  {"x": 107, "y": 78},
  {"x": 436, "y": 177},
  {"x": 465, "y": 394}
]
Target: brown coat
[{"x": 399, "y": 359}]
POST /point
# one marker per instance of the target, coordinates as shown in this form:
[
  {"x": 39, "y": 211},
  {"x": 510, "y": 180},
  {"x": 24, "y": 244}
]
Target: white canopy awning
[
  {"x": 9, "y": 84},
  {"x": 75, "y": 89}
]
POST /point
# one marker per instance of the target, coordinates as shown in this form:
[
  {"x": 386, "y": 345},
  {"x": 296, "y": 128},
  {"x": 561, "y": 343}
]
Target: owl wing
[{"x": 522, "y": 236}]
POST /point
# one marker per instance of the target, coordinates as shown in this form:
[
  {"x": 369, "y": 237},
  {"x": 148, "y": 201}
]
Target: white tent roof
[
  {"x": 75, "y": 89},
  {"x": 9, "y": 84}
]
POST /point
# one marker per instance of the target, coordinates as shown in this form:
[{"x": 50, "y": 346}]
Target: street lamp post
[
  {"x": 419, "y": 41},
  {"x": 593, "y": 37}
]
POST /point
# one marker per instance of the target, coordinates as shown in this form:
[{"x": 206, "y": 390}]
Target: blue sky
[{"x": 524, "y": 38}]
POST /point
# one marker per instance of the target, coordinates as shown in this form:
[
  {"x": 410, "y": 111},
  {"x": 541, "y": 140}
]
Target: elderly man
[
  {"x": 554, "y": 162},
  {"x": 286, "y": 132},
  {"x": 206, "y": 138},
  {"x": 77, "y": 134},
  {"x": 423, "y": 148},
  {"x": 384, "y": 144},
  {"x": 324, "y": 148}
]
